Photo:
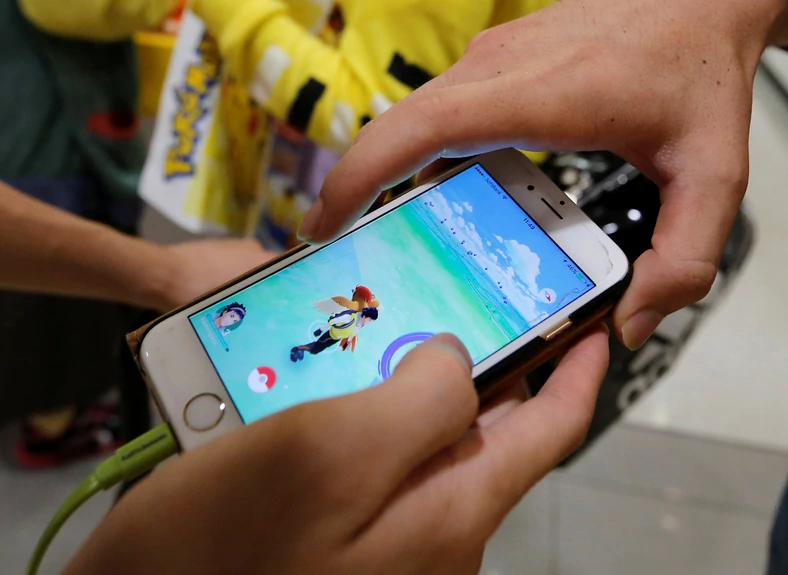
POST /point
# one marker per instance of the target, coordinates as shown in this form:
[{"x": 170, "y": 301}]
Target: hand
[
  {"x": 202, "y": 265},
  {"x": 317, "y": 332},
  {"x": 400, "y": 478},
  {"x": 667, "y": 84}
]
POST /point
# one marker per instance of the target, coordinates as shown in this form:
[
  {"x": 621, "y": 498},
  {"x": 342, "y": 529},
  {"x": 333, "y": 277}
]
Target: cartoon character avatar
[
  {"x": 229, "y": 317},
  {"x": 362, "y": 298},
  {"x": 341, "y": 328}
]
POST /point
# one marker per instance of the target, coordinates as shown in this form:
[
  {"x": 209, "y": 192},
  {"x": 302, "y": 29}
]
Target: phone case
[{"x": 531, "y": 356}]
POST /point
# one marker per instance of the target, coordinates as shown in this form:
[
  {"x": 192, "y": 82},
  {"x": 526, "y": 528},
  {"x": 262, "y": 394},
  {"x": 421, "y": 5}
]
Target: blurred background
[{"x": 688, "y": 454}]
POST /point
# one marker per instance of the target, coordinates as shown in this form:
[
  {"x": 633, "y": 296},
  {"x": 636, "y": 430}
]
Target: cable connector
[{"x": 133, "y": 459}]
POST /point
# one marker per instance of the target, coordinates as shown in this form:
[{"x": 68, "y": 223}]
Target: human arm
[
  {"x": 44, "y": 249},
  {"x": 404, "y": 477},
  {"x": 326, "y": 90},
  {"x": 666, "y": 84},
  {"x": 103, "y": 20}
]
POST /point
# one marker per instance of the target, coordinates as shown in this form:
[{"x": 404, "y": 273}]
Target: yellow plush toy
[
  {"x": 387, "y": 48},
  {"x": 318, "y": 69}
]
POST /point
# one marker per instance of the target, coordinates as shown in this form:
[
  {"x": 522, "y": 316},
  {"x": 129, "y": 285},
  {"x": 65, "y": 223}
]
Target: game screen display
[{"x": 462, "y": 257}]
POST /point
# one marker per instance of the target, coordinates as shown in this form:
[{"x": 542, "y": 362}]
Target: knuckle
[
  {"x": 428, "y": 104},
  {"x": 578, "y": 433},
  {"x": 576, "y": 416},
  {"x": 363, "y": 132},
  {"x": 679, "y": 282},
  {"x": 430, "y": 111},
  {"x": 478, "y": 42},
  {"x": 693, "y": 279},
  {"x": 734, "y": 176}
]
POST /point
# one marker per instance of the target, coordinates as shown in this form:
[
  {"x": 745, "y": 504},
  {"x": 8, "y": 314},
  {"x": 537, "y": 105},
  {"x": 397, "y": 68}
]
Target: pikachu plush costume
[
  {"x": 297, "y": 65},
  {"x": 387, "y": 48}
]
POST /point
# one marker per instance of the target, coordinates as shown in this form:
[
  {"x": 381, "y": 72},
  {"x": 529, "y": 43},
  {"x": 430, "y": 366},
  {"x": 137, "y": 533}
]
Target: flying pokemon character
[
  {"x": 341, "y": 327},
  {"x": 362, "y": 298}
]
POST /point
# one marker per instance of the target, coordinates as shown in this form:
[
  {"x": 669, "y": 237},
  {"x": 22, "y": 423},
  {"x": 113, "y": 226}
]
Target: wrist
[
  {"x": 165, "y": 286},
  {"x": 156, "y": 278}
]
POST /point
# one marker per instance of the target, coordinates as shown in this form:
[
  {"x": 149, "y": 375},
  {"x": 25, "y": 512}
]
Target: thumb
[{"x": 427, "y": 404}]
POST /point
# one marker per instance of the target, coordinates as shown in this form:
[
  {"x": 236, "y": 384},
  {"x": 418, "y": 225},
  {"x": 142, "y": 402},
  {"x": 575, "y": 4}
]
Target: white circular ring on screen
[{"x": 311, "y": 337}]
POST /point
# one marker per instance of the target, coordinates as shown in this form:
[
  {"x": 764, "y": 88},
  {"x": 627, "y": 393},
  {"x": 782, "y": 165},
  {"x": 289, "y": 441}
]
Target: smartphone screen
[{"x": 461, "y": 257}]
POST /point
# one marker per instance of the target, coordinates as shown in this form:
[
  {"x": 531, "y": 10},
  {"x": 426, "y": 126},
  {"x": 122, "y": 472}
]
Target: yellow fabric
[
  {"x": 508, "y": 10},
  {"x": 340, "y": 333},
  {"x": 270, "y": 50},
  {"x": 272, "y": 45},
  {"x": 102, "y": 20}
]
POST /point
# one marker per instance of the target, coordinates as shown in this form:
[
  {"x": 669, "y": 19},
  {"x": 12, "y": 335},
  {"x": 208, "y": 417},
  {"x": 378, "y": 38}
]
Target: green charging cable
[{"x": 133, "y": 459}]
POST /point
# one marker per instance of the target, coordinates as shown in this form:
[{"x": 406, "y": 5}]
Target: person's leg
[
  {"x": 323, "y": 342},
  {"x": 778, "y": 547}
]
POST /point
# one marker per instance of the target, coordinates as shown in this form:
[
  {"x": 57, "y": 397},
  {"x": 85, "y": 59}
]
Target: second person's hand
[
  {"x": 197, "y": 267},
  {"x": 667, "y": 84}
]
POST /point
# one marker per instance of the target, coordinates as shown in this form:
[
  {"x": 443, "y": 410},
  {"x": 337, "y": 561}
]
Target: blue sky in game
[{"x": 485, "y": 226}]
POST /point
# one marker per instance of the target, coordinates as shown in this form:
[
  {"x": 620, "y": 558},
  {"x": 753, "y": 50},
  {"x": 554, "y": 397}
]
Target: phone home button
[{"x": 203, "y": 412}]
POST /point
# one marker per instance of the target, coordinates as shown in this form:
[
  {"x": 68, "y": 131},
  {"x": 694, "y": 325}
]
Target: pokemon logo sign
[{"x": 200, "y": 77}]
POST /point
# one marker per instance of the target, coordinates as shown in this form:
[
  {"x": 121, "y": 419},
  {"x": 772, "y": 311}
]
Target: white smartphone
[{"x": 491, "y": 251}]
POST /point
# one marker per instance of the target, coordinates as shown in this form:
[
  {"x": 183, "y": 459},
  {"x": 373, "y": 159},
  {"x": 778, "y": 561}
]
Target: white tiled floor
[
  {"x": 686, "y": 487},
  {"x": 642, "y": 503},
  {"x": 28, "y": 500}
]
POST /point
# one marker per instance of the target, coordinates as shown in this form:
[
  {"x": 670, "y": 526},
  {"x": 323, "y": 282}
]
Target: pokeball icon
[{"x": 261, "y": 379}]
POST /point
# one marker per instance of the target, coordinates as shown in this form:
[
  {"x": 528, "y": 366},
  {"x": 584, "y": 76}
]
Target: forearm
[{"x": 46, "y": 250}]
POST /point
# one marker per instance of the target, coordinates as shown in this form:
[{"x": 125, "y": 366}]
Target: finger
[
  {"x": 429, "y": 402},
  {"x": 466, "y": 490},
  {"x": 436, "y": 168},
  {"x": 447, "y": 122},
  {"x": 514, "y": 394},
  {"x": 526, "y": 444},
  {"x": 694, "y": 221}
]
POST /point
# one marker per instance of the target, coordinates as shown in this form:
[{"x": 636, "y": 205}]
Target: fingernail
[
  {"x": 639, "y": 328},
  {"x": 311, "y": 221},
  {"x": 455, "y": 345}
]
